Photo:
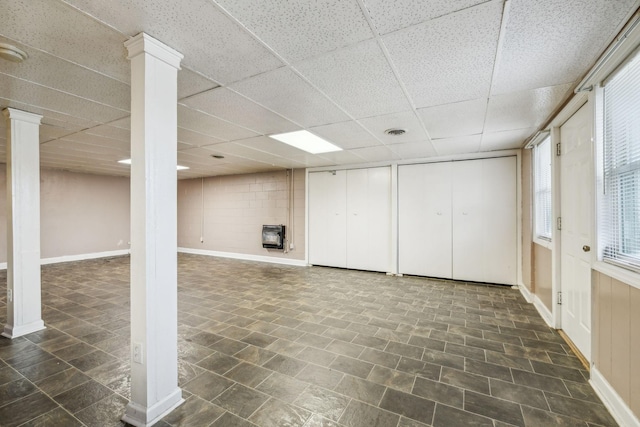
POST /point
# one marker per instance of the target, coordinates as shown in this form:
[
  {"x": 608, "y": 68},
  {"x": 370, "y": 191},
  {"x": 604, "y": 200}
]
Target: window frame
[
  {"x": 540, "y": 239},
  {"x": 619, "y": 267}
]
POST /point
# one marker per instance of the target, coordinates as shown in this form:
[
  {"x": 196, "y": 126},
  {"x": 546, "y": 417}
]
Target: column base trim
[
  {"x": 11, "y": 331},
  {"x": 139, "y": 416}
]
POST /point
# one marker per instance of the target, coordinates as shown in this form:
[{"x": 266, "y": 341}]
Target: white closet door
[
  {"x": 484, "y": 220},
  {"x": 327, "y": 218},
  {"x": 500, "y": 229},
  {"x": 424, "y": 219},
  {"x": 369, "y": 219}
]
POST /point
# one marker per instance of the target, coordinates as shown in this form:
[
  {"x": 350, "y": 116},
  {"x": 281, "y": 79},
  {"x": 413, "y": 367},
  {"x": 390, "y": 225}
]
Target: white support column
[
  {"x": 154, "y": 276},
  {"x": 24, "y": 311}
]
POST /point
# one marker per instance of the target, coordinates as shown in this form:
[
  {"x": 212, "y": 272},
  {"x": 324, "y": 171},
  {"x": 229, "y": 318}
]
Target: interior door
[
  {"x": 369, "y": 219},
  {"x": 575, "y": 234},
  {"x": 327, "y": 218},
  {"x": 424, "y": 219}
]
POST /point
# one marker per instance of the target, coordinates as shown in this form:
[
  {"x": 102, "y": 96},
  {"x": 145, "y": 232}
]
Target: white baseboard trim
[
  {"x": 80, "y": 257},
  {"x": 618, "y": 408},
  {"x": 526, "y": 293},
  {"x": 546, "y": 315},
  {"x": 245, "y": 257}
]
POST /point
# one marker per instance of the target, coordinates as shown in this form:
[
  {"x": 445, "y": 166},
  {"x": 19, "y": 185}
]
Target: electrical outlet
[
  {"x": 291, "y": 246},
  {"x": 9, "y": 295},
  {"x": 137, "y": 352}
]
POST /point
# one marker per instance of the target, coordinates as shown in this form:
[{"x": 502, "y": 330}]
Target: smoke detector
[
  {"x": 12, "y": 53},
  {"x": 395, "y": 131}
]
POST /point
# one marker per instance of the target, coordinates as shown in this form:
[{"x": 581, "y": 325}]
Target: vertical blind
[
  {"x": 542, "y": 189},
  {"x": 619, "y": 216}
]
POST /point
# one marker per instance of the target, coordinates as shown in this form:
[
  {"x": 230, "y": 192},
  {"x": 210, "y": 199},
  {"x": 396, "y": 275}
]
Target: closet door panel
[
  {"x": 468, "y": 220},
  {"x": 369, "y": 219},
  {"x": 327, "y": 218},
  {"x": 500, "y": 230},
  {"x": 424, "y": 219}
]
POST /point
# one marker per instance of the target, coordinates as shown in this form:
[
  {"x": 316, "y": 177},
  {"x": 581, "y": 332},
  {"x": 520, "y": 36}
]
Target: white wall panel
[
  {"x": 369, "y": 219},
  {"x": 484, "y": 220},
  {"x": 424, "y": 219},
  {"x": 327, "y": 218}
]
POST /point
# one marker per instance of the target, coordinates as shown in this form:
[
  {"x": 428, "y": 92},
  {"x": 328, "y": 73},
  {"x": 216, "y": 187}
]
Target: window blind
[
  {"x": 542, "y": 189},
  {"x": 619, "y": 216}
]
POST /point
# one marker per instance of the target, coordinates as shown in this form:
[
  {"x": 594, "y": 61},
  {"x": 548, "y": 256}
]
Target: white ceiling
[{"x": 460, "y": 76}]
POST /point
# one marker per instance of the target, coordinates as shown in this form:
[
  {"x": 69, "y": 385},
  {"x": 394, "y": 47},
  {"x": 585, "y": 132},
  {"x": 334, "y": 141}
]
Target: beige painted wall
[
  {"x": 79, "y": 213},
  {"x": 235, "y": 208},
  {"x": 542, "y": 274},
  {"x": 527, "y": 253},
  {"x": 616, "y": 336}
]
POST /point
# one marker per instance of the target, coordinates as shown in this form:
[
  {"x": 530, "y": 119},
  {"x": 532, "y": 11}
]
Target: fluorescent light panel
[
  {"x": 128, "y": 162},
  {"x": 306, "y": 141}
]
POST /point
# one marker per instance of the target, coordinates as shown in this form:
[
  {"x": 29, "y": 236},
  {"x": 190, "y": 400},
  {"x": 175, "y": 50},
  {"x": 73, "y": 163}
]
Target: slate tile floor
[{"x": 271, "y": 345}]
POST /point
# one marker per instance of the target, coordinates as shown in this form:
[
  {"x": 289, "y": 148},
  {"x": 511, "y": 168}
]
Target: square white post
[
  {"x": 154, "y": 269},
  {"x": 24, "y": 305}
]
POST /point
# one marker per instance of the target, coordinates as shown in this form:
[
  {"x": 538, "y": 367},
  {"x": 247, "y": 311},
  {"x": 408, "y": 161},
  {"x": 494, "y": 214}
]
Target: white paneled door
[
  {"x": 424, "y": 219},
  {"x": 369, "y": 219},
  {"x": 459, "y": 220},
  {"x": 576, "y": 208},
  {"x": 485, "y": 220},
  {"x": 327, "y": 218}
]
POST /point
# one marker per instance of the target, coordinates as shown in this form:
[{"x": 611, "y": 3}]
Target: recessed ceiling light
[
  {"x": 306, "y": 141},
  {"x": 217, "y": 156},
  {"x": 12, "y": 53},
  {"x": 128, "y": 162},
  {"x": 395, "y": 131}
]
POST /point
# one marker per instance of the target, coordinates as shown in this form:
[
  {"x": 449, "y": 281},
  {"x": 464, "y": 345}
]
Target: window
[
  {"x": 619, "y": 158},
  {"x": 542, "y": 189}
]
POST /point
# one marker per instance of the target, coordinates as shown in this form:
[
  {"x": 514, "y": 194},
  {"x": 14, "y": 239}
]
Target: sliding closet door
[
  {"x": 484, "y": 220},
  {"x": 327, "y": 218},
  {"x": 424, "y": 219},
  {"x": 369, "y": 219}
]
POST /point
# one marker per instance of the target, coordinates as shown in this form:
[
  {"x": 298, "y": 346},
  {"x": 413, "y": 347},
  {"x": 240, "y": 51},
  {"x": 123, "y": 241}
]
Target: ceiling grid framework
[{"x": 460, "y": 76}]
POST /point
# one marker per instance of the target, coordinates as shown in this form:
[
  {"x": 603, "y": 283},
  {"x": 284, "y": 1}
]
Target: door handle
[{"x": 586, "y": 248}]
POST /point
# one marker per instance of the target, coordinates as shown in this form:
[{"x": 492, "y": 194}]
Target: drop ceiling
[{"x": 460, "y": 76}]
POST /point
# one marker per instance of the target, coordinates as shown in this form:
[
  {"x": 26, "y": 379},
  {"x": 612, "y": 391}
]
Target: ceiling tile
[
  {"x": 375, "y": 154},
  {"x": 458, "y": 145},
  {"x": 299, "y": 29},
  {"x": 394, "y": 15},
  {"x": 243, "y": 151},
  {"x": 269, "y": 145},
  {"x": 286, "y": 93},
  {"x": 358, "y": 78},
  {"x": 406, "y": 121},
  {"x": 191, "y": 83},
  {"x": 457, "y": 119},
  {"x": 196, "y": 139},
  {"x": 112, "y": 132},
  {"x": 49, "y": 99},
  {"x": 448, "y": 59},
  {"x": 526, "y": 109},
  {"x": 505, "y": 140},
  {"x": 346, "y": 135},
  {"x": 342, "y": 158},
  {"x": 203, "y": 123},
  {"x": 48, "y": 132},
  {"x": 68, "y": 77},
  {"x": 210, "y": 42},
  {"x": 100, "y": 141},
  {"x": 53, "y": 27},
  {"x": 550, "y": 42},
  {"x": 237, "y": 109},
  {"x": 414, "y": 150}
]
